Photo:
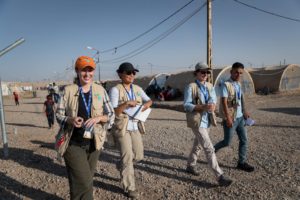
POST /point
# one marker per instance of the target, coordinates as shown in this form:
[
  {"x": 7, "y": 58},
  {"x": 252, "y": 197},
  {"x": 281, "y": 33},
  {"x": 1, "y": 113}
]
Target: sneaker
[
  {"x": 245, "y": 167},
  {"x": 132, "y": 194},
  {"x": 192, "y": 170},
  {"x": 224, "y": 181}
]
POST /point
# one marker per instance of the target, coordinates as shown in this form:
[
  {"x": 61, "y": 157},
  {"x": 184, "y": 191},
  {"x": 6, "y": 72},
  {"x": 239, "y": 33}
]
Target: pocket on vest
[{"x": 99, "y": 136}]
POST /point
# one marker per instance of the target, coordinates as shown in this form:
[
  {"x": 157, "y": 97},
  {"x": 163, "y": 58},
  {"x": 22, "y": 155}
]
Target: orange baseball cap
[{"x": 84, "y": 61}]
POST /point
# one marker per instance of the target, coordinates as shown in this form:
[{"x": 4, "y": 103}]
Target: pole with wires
[
  {"x": 3, "y": 129},
  {"x": 209, "y": 39}
]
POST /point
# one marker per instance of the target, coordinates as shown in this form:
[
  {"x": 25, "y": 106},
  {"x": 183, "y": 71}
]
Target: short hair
[{"x": 237, "y": 65}]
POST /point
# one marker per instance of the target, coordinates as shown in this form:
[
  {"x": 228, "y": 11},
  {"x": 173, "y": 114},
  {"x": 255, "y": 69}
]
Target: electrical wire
[
  {"x": 268, "y": 12},
  {"x": 144, "y": 33},
  {"x": 155, "y": 40}
]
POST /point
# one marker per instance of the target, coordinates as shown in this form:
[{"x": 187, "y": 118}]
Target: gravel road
[{"x": 32, "y": 172}]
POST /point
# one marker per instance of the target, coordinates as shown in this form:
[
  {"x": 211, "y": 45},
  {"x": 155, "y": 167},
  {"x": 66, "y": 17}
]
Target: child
[
  {"x": 49, "y": 108},
  {"x": 16, "y": 97}
]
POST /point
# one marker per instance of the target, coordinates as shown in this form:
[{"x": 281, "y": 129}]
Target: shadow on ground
[
  {"x": 29, "y": 125},
  {"x": 289, "y": 110}
]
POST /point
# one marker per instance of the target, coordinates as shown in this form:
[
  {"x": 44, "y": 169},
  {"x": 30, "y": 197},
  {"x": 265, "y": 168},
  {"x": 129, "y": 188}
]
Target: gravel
[{"x": 32, "y": 172}]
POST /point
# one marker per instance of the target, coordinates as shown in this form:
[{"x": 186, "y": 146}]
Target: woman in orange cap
[{"x": 84, "y": 113}]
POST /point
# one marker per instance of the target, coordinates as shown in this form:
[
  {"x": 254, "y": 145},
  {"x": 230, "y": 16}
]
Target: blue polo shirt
[{"x": 189, "y": 106}]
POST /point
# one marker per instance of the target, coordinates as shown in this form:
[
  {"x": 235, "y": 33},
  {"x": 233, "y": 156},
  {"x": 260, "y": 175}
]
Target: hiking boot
[
  {"x": 245, "y": 167},
  {"x": 192, "y": 170},
  {"x": 224, "y": 181},
  {"x": 132, "y": 194}
]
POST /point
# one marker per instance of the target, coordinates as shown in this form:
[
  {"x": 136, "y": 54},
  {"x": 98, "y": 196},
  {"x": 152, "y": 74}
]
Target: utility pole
[
  {"x": 209, "y": 38},
  {"x": 3, "y": 129}
]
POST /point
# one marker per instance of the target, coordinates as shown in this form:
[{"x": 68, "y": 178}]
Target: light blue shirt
[
  {"x": 189, "y": 106},
  {"x": 114, "y": 98},
  {"x": 224, "y": 93}
]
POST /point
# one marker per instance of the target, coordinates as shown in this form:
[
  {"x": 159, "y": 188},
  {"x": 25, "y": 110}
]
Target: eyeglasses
[{"x": 130, "y": 72}]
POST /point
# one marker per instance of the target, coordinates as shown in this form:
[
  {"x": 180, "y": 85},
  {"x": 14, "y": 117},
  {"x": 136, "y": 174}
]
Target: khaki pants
[
  {"x": 202, "y": 139},
  {"x": 131, "y": 149}
]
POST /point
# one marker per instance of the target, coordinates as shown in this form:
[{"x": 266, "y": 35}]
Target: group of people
[
  {"x": 86, "y": 111},
  {"x": 200, "y": 103}
]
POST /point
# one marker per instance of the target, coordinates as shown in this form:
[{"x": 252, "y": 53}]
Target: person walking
[
  {"x": 84, "y": 112},
  {"x": 199, "y": 104},
  {"x": 16, "y": 98},
  {"x": 233, "y": 111},
  {"x": 49, "y": 109},
  {"x": 126, "y": 129}
]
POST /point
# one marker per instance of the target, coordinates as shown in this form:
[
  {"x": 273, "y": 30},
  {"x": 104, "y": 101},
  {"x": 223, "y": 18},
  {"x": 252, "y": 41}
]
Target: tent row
[
  {"x": 9, "y": 88},
  {"x": 254, "y": 80}
]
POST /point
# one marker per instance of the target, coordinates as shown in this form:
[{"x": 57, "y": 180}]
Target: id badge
[{"x": 88, "y": 133}]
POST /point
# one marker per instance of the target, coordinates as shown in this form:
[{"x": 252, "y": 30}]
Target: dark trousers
[
  {"x": 50, "y": 118},
  {"x": 17, "y": 102},
  {"x": 81, "y": 164}
]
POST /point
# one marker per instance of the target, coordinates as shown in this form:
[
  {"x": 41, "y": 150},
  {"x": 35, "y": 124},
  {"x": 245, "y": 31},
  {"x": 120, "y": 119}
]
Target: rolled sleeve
[
  {"x": 108, "y": 110},
  {"x": 188, "y": 99},
  {"x": 144, "y": 96},
  {"x": 213, "y": 96},
  {"x": 61, "y": 110}
]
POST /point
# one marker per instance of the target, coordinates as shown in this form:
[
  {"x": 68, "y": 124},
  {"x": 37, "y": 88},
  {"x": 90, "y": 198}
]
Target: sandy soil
[{"x": 32, "y": 172}]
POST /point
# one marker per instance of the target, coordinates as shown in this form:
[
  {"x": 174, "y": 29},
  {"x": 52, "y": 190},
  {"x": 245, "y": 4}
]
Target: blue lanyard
[
  {"x": 87, "y": 106},
  {"x": 203, "y": 91},
  {"x": 131, "y": 96},
  {"x": 237, "y": 90}
]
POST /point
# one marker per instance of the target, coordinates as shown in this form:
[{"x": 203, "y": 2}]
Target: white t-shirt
[{"x": 114, "y": 98}]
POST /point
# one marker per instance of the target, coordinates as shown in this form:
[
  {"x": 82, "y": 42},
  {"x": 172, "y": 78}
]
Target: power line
[
  {"x": 144, "y": 33},
  {"x": 155, "y": 40},
  {"x": 268, "y": 12}
]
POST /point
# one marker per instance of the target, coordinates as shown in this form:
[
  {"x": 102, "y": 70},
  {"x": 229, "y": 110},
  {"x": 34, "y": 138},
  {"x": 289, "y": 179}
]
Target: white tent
[{"x": 5, "y": 89}]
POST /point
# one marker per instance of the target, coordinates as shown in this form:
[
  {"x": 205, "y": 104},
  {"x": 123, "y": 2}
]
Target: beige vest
[
  {"x": 193, "y": 118},
  {"x": 120, "y": 125},
  {"x": 230, "y": 101},
  {"x": 71, "y": 95}
]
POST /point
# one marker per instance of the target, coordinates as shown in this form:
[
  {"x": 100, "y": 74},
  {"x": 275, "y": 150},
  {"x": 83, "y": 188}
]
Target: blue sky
[{"x": 58, "y": 31}]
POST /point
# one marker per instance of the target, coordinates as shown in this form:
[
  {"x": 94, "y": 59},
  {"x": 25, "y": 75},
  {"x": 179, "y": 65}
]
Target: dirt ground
[{"x": 32, "y": 172}]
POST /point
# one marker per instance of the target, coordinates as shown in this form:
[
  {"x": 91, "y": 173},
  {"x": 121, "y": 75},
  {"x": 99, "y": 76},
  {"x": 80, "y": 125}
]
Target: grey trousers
[
  {"x": 131, "y": 149},
  {"x": 202, "y": 139},
  {"x": 81, "y": 164}
]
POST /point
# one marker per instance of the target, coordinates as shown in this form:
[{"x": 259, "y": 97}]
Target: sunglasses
[
  {"x": 203, "y": 72},
  {"x": 130, "y": 72}
]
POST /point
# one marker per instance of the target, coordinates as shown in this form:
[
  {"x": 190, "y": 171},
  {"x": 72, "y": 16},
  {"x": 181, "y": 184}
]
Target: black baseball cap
[{"x": 126, "y": 67}]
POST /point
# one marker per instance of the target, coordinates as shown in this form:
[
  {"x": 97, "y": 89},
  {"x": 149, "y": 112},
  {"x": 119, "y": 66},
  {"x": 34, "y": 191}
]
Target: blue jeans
[{"x": 239, "y": 127}]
